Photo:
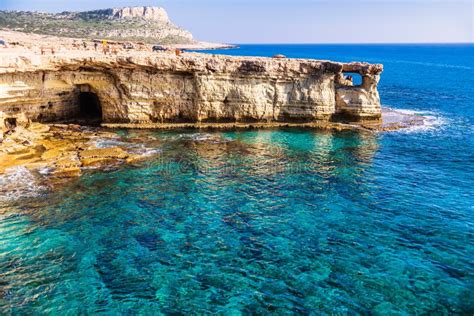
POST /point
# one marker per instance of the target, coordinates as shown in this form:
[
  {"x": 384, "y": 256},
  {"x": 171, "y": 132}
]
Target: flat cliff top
[{"x": 72, "y": 56}]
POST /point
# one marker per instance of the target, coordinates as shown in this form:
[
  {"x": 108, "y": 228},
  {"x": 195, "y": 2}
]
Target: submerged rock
[
  {"x": 101, "y": 153},
  {"x": 63, "y": 151}
]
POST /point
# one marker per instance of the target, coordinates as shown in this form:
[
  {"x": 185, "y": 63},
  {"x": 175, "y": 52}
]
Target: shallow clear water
[{"x": 267, "y": 221}]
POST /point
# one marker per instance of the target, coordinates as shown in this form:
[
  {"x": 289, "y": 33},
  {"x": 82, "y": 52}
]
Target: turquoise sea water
[{"x": 269, "y": 221}]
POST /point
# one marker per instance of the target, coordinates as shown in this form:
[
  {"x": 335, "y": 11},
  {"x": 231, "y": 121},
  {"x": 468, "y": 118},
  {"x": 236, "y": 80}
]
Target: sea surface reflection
[{"x": 286, "y": 220}]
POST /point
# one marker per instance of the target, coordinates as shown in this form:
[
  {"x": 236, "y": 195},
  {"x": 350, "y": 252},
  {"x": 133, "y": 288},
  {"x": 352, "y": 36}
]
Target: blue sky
[{"x": 299, "y": 21}]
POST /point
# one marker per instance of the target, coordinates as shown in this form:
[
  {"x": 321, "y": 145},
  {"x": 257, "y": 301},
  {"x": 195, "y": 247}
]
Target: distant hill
[{"x": 147, "y": 24}]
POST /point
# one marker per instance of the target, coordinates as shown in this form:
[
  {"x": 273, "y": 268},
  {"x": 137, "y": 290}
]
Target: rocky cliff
[
  {"x": 196, "y": 88},
  {"x": 147, "y": 24},
  {"x": 147, "y": 13}
]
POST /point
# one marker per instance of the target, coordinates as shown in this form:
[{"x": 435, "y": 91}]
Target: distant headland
[{"x": 150, "y": 25}]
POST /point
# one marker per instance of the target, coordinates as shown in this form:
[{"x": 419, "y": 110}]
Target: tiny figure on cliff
[
  {"x": 84, "y": 44},
  {"x": 105, "y": 47},
  {"x": 349, "y": 80},
  {"x": 178, "y": 52},
  {"x": 42, "y": 50},
  {"x": 96, "y": 45}
]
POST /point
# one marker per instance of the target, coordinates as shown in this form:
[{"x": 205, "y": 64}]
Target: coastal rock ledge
[{"x": 190, "y": 88}]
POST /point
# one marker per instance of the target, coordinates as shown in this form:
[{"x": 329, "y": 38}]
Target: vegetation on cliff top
[{"x": 93, "y": 25}]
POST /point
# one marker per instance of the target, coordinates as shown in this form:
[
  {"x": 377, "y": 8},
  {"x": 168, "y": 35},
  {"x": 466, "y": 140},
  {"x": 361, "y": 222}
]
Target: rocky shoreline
[
  {"x": 147, "y": 87},
  {"x": 146, "y": 90},
  {"x": 65, "y": 151}
]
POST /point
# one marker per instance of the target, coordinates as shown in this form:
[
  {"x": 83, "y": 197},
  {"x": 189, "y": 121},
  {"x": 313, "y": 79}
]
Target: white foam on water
[
  {"x": 151, "y": 151},
  {"x": 142, "y": 150},
  {"x": 431, "y": 122},
  {"x": 45, "y": 171},
  {"x": 135, "y": 148},
  {"x": 19, "y": 182},
  {"x": 109, "y": 143},
  {"x": 205, "y": 137},
  {"x": 132, "y": 147},
  {"x": 416, "y": 121}
]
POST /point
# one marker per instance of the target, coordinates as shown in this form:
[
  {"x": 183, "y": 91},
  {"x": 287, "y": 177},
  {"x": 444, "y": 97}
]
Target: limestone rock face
[
  {"x": 164, "y": 88},
  {"x": 148, "y": 13},
  {"x": 2, "y": 128}
]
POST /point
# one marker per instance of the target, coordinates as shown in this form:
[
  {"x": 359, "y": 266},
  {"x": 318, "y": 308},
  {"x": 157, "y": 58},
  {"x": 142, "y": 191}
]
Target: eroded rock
[
  {"x": 63, "y": 150},
  {"x": 192, "y": 88}
]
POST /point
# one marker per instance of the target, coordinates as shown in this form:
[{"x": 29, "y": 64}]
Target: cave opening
[{"x": 90, "y": 108}]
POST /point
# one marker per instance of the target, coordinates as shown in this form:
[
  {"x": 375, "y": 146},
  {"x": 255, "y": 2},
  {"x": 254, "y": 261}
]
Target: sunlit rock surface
[{"x": 192, "y": 88}]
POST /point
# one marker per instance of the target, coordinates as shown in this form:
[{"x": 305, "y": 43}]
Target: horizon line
[{"x": 355, "y": 43}]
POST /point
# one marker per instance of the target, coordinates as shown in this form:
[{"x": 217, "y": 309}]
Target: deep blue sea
[{"x": 268, "y": 221}]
